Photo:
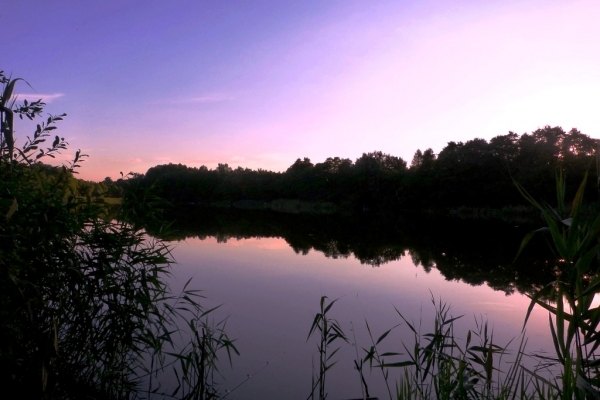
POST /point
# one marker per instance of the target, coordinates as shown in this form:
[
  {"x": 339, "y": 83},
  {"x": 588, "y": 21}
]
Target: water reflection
[
  {"x": 271, "y": 269},
  {"x": 271, "y": 294},
  {"x": 472, "y": 252}
]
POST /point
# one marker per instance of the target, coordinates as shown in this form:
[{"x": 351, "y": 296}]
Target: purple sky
[{"x": 258, "y": 84}]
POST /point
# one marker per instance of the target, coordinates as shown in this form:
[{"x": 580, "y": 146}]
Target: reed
[
  {"x": 85, "y": 307},
  {"x": 436, "y": 366},
  {"x": 330, "y": 332},
  {"x": 573, "y": 315}
]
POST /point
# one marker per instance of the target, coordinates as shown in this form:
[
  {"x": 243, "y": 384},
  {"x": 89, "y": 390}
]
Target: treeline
[
  {"x": 477, "y": 173},
  {"x": 70, "y": 185}
]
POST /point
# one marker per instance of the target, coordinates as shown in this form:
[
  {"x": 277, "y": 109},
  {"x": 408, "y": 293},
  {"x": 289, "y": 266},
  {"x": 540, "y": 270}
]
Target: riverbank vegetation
[
  {"x": 85, "y": 310},
  {"x": 437, "y": 366},
  {"x": 441, "y": 364}
]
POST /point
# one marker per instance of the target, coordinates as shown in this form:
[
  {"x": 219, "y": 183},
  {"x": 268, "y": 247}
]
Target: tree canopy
[{"x": 476, "y": 173}]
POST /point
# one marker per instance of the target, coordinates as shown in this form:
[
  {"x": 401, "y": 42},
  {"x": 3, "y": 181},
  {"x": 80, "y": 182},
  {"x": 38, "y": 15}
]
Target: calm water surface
[{"x": 270, "y": 294}]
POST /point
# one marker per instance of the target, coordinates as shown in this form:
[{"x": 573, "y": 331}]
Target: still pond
[{"x": 270, "y": 271}]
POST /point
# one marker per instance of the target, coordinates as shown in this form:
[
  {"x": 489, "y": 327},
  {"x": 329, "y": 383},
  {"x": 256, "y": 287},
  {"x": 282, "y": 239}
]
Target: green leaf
[
  {"x": 557, "y": 346},
  {"x": 8, "y": 91},
  {"x": 13, "y": 208},
  {"x": 534, "y": 300},
  {"x": 579, "y": 196}
]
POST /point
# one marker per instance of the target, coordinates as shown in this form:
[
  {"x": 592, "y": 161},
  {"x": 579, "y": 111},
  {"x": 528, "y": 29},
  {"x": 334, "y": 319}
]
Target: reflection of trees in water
[
  {"x": 473, "y": 252},
  {"x": 423, "y": 260},
  {"x": 332, "y": 250},
  {"x": 222, "y": 238},
  {"x": 480, "y": 266},
  {"x": 376, "y": 257}
]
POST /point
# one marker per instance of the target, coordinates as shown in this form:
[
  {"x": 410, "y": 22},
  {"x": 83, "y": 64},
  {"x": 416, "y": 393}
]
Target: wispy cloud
[
  {"x": 207, "y": 98},
  {"x": 210, "y": 98},
  {"x": 46, "y": 97},
  {"x": 133, "y": 160}
]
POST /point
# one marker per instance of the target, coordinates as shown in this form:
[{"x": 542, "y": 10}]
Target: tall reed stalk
[
  {"x": 329, "y": 333},
  {"x": 85, "y": 306},
  {"x": 436, "y": 366},
  {"x": 573, "y": 315}
]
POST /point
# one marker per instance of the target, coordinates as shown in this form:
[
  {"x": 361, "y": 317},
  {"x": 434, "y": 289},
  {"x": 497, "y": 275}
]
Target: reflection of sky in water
[{"x": 271, "y": 295}]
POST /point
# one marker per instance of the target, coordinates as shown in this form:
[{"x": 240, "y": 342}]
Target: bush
[{"x": 84, "y": 307}]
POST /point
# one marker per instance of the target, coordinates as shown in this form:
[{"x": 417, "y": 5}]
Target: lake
[{"x": 270, "y": 270}]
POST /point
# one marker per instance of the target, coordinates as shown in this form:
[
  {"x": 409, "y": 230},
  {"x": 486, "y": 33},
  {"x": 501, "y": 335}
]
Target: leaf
[
  {"x": 389, "y": 354},
  {"x": 541, "y": 378},
  {"x": 560, "y": 325},
  {"x": 407, "y": 323},
  {"x": 383, "y": 336},
  {"x": 526, "y": 240},
  {"x": 579, "y": 196},
  {"x": 585, "y": 386},
  {"x": 397, "y": 364},
  {"x": 534, "y": 300},
  {"x": 55, "y": 326},
  {"x": 452, "y": 320},
  {"x": 207, "y": 311},
  {"x": 8, "y": 90},
  {"x": 13, "y": 208},
  {"x": 315, "y": 325},
  {"x": 489, "y": 363},
  {"x": 44, "y": 377},
  {"x": 329, "y": 306}
]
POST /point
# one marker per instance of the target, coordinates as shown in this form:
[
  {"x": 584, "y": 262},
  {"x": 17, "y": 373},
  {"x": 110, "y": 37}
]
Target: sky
[{"x": 258, "y": 84}]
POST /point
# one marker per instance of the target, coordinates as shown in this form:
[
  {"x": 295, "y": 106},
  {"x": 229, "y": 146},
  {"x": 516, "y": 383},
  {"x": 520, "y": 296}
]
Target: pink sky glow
[{"x": 259, "y": 84}]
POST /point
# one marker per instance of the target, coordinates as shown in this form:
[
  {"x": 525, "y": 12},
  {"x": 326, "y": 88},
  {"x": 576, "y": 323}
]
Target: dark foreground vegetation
[
  {"x": 85, "y": 311},
  {"x": 475, "y": 174}
]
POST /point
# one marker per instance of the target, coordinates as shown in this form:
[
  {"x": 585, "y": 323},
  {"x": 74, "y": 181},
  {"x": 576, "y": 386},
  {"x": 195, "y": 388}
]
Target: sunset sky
[{"x": 258, "y": 84}]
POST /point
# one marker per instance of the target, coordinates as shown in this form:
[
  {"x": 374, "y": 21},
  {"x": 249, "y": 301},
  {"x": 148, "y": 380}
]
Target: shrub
[{"x": 84, "y": 307}]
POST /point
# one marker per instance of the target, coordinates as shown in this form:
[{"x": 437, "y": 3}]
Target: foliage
[
  {"x": 199, "y": 361},
  {"x": 573, "y": 316},
  {"x": 443, "y": 369},
  {"x": 329, "y": 333},
  {"x": 476, "y": 174},
  {"x": 85, "y": 310},
  {"x": 437, "y": 366}
]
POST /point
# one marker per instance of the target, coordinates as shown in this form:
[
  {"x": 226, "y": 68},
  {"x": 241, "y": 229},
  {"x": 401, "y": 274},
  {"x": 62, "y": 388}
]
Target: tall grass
[
  {"x": 85, "y": 307},
  {"x": 330, "y": 332},
  {"x": 573, "y": 315},
  {"x": 437, "y": 366}
]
